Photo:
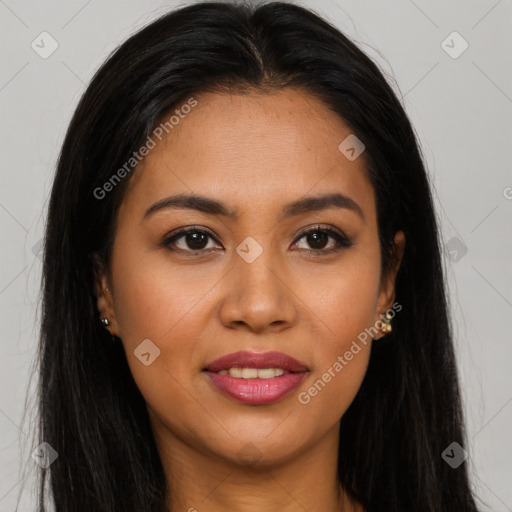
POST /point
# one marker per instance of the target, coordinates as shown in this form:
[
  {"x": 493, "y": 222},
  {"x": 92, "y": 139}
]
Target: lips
[
  {"x": 256, "y": 378},
  {"x": 257, "y": 360}
]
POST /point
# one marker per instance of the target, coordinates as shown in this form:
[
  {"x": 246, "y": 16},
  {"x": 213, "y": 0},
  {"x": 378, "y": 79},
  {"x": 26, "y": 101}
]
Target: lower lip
[{"x": 257, "y": 391}]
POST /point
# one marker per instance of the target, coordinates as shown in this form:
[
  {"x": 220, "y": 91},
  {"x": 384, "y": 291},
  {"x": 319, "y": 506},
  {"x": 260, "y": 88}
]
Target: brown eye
[
  {"x": 190, "y": 240},
  {"x": 195, "y": 241},
  {"x": 318, "y": 240}
]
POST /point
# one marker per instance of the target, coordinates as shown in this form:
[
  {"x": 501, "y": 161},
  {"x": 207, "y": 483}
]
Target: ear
[
  {"x": 386, "y": 295},
  {"x": 103, "y": 293}
]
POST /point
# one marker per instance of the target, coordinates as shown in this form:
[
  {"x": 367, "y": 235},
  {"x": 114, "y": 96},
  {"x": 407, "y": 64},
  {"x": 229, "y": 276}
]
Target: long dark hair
[{"x": 408, "y": 408}]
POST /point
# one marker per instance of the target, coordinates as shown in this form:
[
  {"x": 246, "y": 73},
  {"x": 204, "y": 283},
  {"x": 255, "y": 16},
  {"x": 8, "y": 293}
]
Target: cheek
[
  {"x": 154, "y": 298},
  {"x": 343, "y": 306},
  {"x": 165, "y": 308},
  {"x": 342, "y": 297},
  {"x": 170, "y": 307}
]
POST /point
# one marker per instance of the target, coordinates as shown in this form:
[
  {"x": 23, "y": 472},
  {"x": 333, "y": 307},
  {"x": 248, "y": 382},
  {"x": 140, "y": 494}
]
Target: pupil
[
  {"x": 196, "y": 241},
  {"x": 316, "y": 238}
]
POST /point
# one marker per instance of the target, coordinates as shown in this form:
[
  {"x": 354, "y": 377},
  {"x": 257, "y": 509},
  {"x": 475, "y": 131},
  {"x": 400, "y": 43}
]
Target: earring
[
  {"x": 386, "y": 328},
  {"x": 105, "y": 321}
]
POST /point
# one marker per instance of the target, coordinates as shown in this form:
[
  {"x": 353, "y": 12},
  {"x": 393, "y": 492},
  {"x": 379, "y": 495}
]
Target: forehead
[{"x": 267, "y": 148}]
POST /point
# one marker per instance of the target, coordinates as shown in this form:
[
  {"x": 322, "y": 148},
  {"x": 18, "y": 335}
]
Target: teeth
[
  {"x": 248, "y": 373},
  {"x": 253, "y": 373},
  {"x": 235, "y": 372},
  {"x": 270, "y": 373}
]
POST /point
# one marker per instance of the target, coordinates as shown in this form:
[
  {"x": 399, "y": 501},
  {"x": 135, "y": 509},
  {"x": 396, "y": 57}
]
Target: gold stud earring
[{"x": 386, "y": 328}]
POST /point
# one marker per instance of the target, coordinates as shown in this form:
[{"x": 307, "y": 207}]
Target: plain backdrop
[{"x": 457, "y": 89}]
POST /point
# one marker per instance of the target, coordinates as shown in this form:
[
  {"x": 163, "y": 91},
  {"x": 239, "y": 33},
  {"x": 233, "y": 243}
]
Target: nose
[{"x": 258, "y": 296}]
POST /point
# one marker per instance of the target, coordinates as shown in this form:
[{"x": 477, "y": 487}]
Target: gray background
[{"x": 461, "y": 108}]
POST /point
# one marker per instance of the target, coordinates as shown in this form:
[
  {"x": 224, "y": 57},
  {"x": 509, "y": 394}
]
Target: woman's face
[{"x": 255, "y": 282}]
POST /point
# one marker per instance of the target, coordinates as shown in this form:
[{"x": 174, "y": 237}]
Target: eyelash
[{"x": 342, "y": 240}]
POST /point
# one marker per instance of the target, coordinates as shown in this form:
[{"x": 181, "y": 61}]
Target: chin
[{"x": 260, "y": 452}]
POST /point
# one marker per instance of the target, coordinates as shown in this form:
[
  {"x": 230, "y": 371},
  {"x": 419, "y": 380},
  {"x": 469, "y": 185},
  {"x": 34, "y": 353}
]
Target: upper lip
[{"x": 246, "y": 359}]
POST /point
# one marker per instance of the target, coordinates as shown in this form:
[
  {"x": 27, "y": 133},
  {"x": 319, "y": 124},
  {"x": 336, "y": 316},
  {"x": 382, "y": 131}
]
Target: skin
[{"x": 255, "y": 152}]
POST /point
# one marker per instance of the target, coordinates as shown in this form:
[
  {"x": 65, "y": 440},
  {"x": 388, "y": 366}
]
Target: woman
[{"x": 244, "y": 305}]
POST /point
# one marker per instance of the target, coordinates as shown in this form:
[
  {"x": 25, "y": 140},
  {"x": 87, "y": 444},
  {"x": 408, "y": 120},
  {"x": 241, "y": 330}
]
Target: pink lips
[{"x": 257, "y": 391}]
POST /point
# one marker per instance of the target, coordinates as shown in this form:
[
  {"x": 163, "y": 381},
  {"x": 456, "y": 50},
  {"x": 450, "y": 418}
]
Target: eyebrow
[{"x": 213, "y": 207}]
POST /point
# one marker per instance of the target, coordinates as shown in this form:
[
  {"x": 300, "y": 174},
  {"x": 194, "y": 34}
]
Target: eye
[
  {"x": 318, "y": 240},
  {"x": 193, "y": 240},
  {"x": 190, "y": 239}
]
